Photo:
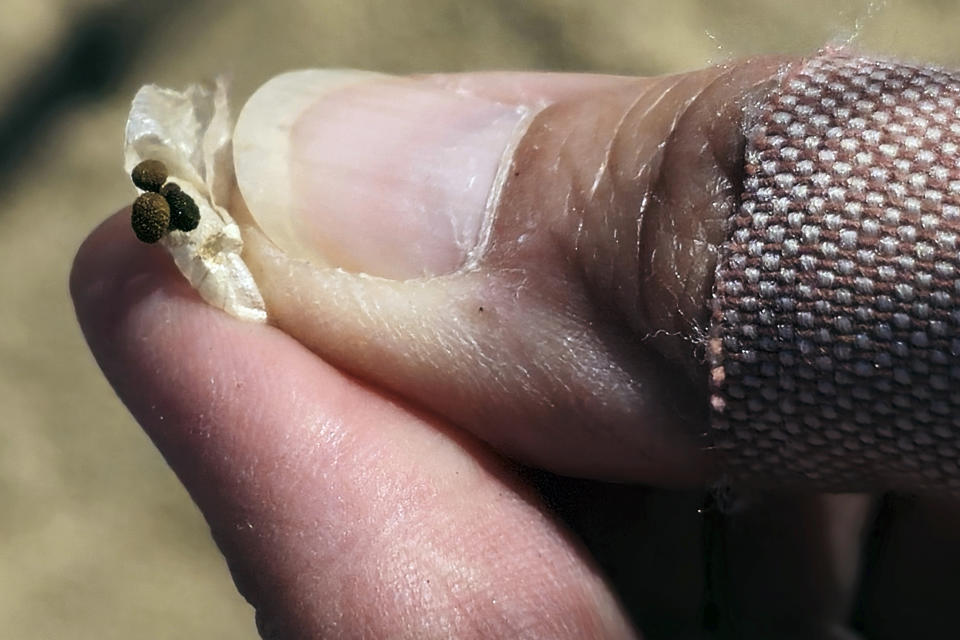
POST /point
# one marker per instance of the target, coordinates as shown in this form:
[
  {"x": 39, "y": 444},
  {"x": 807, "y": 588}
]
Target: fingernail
[{"x": 371, "y": 173}]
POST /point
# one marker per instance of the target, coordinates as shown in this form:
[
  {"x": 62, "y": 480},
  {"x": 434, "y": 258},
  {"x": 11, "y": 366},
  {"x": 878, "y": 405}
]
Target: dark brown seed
[
  {"x": 149, "y": 175},
  {"x": 169, "y": 188},
  {"x": 184, "y": 213},
  {"x": 150, "y": 217}
]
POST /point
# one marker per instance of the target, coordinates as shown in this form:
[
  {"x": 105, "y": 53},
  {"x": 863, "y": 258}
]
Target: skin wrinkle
[
  {"x": 656, "y": 181},
  {"x": 636, "y": 291},
  {"x": 615, "y": 134},
  {"x": 673, "y": 238},
  {"x": 588, "y": 262},
  {"x": 632, "y": 289},
  {"x": 572, "y": 382},
  {"x": 699, "y": 245}
]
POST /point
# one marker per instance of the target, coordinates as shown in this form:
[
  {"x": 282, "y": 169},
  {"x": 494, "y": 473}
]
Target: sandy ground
[{"x": 97, "y": 539}]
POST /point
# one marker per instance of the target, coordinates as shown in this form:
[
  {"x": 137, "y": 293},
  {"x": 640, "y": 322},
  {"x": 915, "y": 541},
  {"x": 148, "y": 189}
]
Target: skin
[
  {"x": 601, "y": 235},
  {"x": 352, "y": 499}
]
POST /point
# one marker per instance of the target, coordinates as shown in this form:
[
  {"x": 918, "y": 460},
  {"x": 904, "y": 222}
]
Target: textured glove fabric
[{"x": 835, "y": 338}]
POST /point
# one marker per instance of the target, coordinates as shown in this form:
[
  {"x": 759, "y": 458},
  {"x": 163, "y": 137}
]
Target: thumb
[{"x": 528, "y": 255}]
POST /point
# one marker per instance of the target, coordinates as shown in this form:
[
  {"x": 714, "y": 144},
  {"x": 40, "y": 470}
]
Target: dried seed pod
[
  {"x": 149, "y": 175},
  {"x": 150, "y": 217},
  {"x": 191, "y": 132},
  {"x": 184, "y": 213}
]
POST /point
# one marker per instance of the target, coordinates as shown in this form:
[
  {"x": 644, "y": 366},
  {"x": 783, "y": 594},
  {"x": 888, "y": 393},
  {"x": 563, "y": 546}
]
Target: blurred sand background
[{"x": 97, "y": 539}]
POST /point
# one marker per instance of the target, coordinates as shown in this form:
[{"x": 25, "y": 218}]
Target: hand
[{"x": 552, "y": 320}]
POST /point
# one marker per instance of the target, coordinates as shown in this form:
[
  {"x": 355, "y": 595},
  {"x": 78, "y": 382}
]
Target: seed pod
[
  {"x": 150, "y": 217},
  {"x": 149, "y": 175},
  {"x": 184, "y": 213}
]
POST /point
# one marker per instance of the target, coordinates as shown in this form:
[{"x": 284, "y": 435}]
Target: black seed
[
  {"x": 150, "y": 217},
  {"x": 169, "y": 188},
  {"x": 184, "y": 214},
  {"x": 149, "y": 175}
]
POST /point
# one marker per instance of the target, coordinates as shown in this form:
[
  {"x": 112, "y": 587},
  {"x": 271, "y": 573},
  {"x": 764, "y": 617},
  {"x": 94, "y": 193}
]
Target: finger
[
  {"x": 528, "y": 89},
  {"x": 529, "y": 323},
  {"x": 340, "y": 512},
  {"x": 561, "y": 260}
]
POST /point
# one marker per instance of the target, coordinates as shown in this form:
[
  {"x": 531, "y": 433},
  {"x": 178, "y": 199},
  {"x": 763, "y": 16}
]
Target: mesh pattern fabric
[{"x": 835, "y": 337}]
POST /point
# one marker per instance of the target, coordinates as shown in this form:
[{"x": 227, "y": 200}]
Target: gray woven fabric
[{"x": 835, "y": 345}]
